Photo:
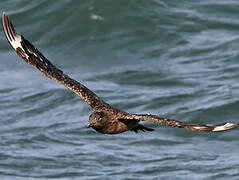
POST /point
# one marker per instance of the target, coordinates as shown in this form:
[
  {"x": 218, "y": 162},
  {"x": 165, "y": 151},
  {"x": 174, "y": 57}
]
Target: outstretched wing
[
  {"x": 178, "y": 124},
  {"x": 33, "y": 57}
]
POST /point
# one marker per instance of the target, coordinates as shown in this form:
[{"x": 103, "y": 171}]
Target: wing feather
[
  {"x": 178, "y": 124},
  {"x": 35, "y": 58}
]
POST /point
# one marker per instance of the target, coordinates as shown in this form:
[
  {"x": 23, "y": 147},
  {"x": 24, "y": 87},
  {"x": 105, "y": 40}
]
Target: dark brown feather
[
  {"x": 104, "y": 118},
  {"x": 35, "y": 58},
  {"x": 178, "y": 124}
]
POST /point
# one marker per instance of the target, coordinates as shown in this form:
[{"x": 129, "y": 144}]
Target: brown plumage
[{"x": 104, "y": 118}]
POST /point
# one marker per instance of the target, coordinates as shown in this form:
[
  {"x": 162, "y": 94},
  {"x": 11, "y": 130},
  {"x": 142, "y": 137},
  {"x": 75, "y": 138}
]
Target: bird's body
[{"x": 105, "y": 118}]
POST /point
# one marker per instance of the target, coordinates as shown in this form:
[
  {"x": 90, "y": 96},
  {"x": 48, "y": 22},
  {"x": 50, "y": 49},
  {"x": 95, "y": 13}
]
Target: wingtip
[
  {"x": 4, "y": 16},
  {"x": 12, "y": 36},
  {"x": 225, "y": 127}
]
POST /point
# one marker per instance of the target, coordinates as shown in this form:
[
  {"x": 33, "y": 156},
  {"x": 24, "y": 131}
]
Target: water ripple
[{"x": 174, "y": 59}]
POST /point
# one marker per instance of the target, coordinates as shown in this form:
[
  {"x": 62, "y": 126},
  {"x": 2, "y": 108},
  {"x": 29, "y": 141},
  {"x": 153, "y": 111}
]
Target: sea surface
[{"x": 177, "y": 59}]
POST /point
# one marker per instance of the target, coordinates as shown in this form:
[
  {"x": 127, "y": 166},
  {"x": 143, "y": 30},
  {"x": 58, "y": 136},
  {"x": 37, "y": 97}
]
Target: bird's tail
[{"x": 142, "y": 128}]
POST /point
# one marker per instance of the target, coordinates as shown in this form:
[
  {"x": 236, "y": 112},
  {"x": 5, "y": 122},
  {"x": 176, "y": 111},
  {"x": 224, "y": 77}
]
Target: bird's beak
[{"x": 90, "y": 125}]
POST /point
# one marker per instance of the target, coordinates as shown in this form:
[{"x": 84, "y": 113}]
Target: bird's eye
[{"x": 98, "y": 118}]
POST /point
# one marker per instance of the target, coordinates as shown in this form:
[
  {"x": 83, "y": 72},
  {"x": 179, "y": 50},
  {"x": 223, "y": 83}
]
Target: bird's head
[{"x": 96, "y": 120}]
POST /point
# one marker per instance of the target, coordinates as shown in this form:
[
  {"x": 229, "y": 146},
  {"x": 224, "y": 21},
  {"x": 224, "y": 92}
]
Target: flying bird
[{"x": 104, "y": 118}]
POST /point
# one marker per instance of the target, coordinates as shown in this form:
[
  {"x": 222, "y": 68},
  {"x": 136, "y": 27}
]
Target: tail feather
[{"x": 142, "y": 128}]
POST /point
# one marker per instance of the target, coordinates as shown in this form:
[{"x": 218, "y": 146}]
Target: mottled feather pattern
[
  {"x": 35, "y": 58},
  {"x": 104, "y": 118},
  {"x": 179, "y": 124}
]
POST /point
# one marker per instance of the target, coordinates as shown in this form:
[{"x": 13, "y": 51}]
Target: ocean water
[{"x": 177, "y": 58}]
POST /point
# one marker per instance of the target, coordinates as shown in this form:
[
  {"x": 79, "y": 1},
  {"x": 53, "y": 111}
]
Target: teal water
[{"x": 176, "y": 58}]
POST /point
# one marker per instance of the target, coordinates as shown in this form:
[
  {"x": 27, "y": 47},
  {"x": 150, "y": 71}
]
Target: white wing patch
[
  {"x": 17, "y": 42},
  {"x": 11, "y": 34},
  {"x": 225, "y": 127}
]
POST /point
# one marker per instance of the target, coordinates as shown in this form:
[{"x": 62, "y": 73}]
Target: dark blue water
[{"x": 177, "y": 59}]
